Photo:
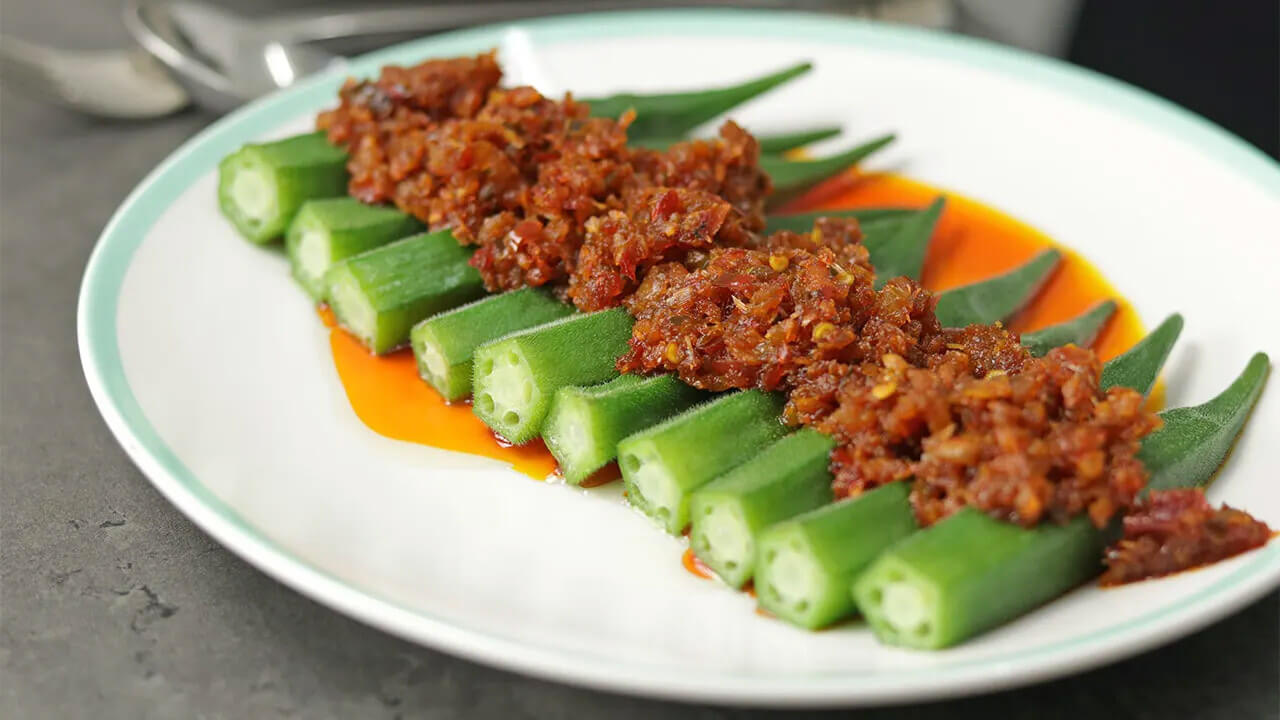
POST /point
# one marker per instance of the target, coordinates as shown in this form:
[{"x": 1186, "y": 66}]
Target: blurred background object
[{"x": 1222, "y": 61}]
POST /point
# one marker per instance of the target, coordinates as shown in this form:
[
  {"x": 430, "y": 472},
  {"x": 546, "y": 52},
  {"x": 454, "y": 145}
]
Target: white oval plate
[{"x": 211, "y": 369}]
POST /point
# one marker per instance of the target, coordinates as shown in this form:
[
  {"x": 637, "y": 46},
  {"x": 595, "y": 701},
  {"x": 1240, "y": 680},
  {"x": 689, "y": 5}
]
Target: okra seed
[
  {"x": 630, "y": 464},
  {"x": 513, "y": 358},
  {"x": 923, "y": 629},
  {"x": 485, "y": 402},
  {"x": 511, "y": 417},
  {"x": 486, "y": 367},
  {"x": 732, "y": 565},
  {"x": 773, "y": 592},
  {"x": 770, "y": 556},
  {"x": 877, "y": 596},
  {"x": 802, "y": 606}
]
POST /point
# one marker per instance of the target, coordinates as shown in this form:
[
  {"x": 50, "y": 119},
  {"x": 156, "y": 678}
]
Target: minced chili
[
  {"x": 1174, "y": 530},
  {"x": 521, "y": 175},
  {"x": 553, "y": 197},
  {"x": 751, "y": 317}
]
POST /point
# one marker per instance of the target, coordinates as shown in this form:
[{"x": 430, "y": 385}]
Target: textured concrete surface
[{"x": 112, "y": 605}]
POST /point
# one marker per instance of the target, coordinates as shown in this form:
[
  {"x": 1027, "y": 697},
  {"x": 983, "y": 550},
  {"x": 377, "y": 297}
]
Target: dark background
[
  {"x": 1220, "y": 59},
  {"x": 113, "y": 605}
]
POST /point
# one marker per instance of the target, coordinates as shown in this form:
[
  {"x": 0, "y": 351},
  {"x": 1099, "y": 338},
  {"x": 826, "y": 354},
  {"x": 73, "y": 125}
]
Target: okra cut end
[
  {"x": 310, "y": 253},
  {"x": 451, "y": 380},
  {"x": 900, "y": 606},
  {"x": 353, "y": 309},
  {"x": 325, "y": 231},
  {"x": 569, "y": 438},
  {"x": 652, "y": 487},
  {"x": 248, "y": 195},
  {"x": 721, "y": 537},
  {"x": 505, "y": 394},
  {"x": 792, "y": 584}
]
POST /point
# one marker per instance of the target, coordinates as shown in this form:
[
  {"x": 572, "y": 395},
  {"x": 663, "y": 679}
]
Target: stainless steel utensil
[
  {"x": 123, "y": 84},
  {"x": 225, "y": 60},
  {"x": 222, "y": 60}
]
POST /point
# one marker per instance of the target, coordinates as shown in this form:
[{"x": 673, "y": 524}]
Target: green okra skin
[
  {"x": 1194, "y": 441},
  {"x": 803, "y": 222},
  {"x": 727, "y": 515},
  {"x": 663, "y": 465},
  {"x": 329, "y": 230},
  {"x": 444, "y": 344},
  {"x": 1081, "y": 330},
  {"x": 970, "y": 572},
  {"x": 769, "y": 144},
  {"x": 804, "y": 565},
  {"x": 898, "y": 249},
  {"x": 379, "y": 295},
  {"x": 999, "y": 298},
  {"x": 673, "y": 115},
  {"x": 516, "y": 376},
  {"x": 585, "y": 424},
  {"x": 1139, "y": 367},
  {"x": 262, "y": 185},
  {"x": 794, "y": 176},
  {"x": 782, "y": 142}
]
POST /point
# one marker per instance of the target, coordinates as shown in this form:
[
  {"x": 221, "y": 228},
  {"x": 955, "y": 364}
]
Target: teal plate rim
[{"x": 104, "y": 373}]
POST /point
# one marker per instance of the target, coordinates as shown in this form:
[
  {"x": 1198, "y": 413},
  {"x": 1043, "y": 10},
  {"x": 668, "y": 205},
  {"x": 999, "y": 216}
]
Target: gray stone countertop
[{"x": 113, "y": 605}]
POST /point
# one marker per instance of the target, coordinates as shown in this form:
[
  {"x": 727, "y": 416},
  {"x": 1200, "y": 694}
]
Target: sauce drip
[
  {"x": 694, "y": 565},
  {"x": 388, "y": 396},
  {"x": 972, "y": 242}
]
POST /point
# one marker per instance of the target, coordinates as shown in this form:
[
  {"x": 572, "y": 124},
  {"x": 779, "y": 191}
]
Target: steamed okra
[
  {"x": 729, "y": 513},
  {"x": 663, "y": 465},
  {"x": 517, "y": 376},
  {"x": 379, "y": 295},
  {"x": 262, "y": 185},
  {"x": 586, "y": 423},
  {"x": 445, "y": 344},
  {"x": 328, "y": 231}
]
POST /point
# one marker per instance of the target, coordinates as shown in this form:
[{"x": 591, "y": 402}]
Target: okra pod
[
  {"x": 380, "y": 294},
  {"x": 444, "y": 344},
  {"x": 996, "y": 299},
  {"x": 1139, "y": 367},
  {"x": 262, "y": 185},
  {"x": 804, "y": 565},
  {"x": 1080, "y": 330},
  {"x": 329, "y": 230},
  {"x": 1194, "y": 441},
  {"x": 971, "y": 572},
  {"x": 663, "y": 465},
  {"x": 517, "y": 375},
  {"x": 585, "y": 424},
  {"x": 782, "y": 142},
  {"x": 793, "y": 176},
  {"x": 673, "y": 115},
  {"x": 728, "y": 514},
  {"x": 897, "y": 248}
]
